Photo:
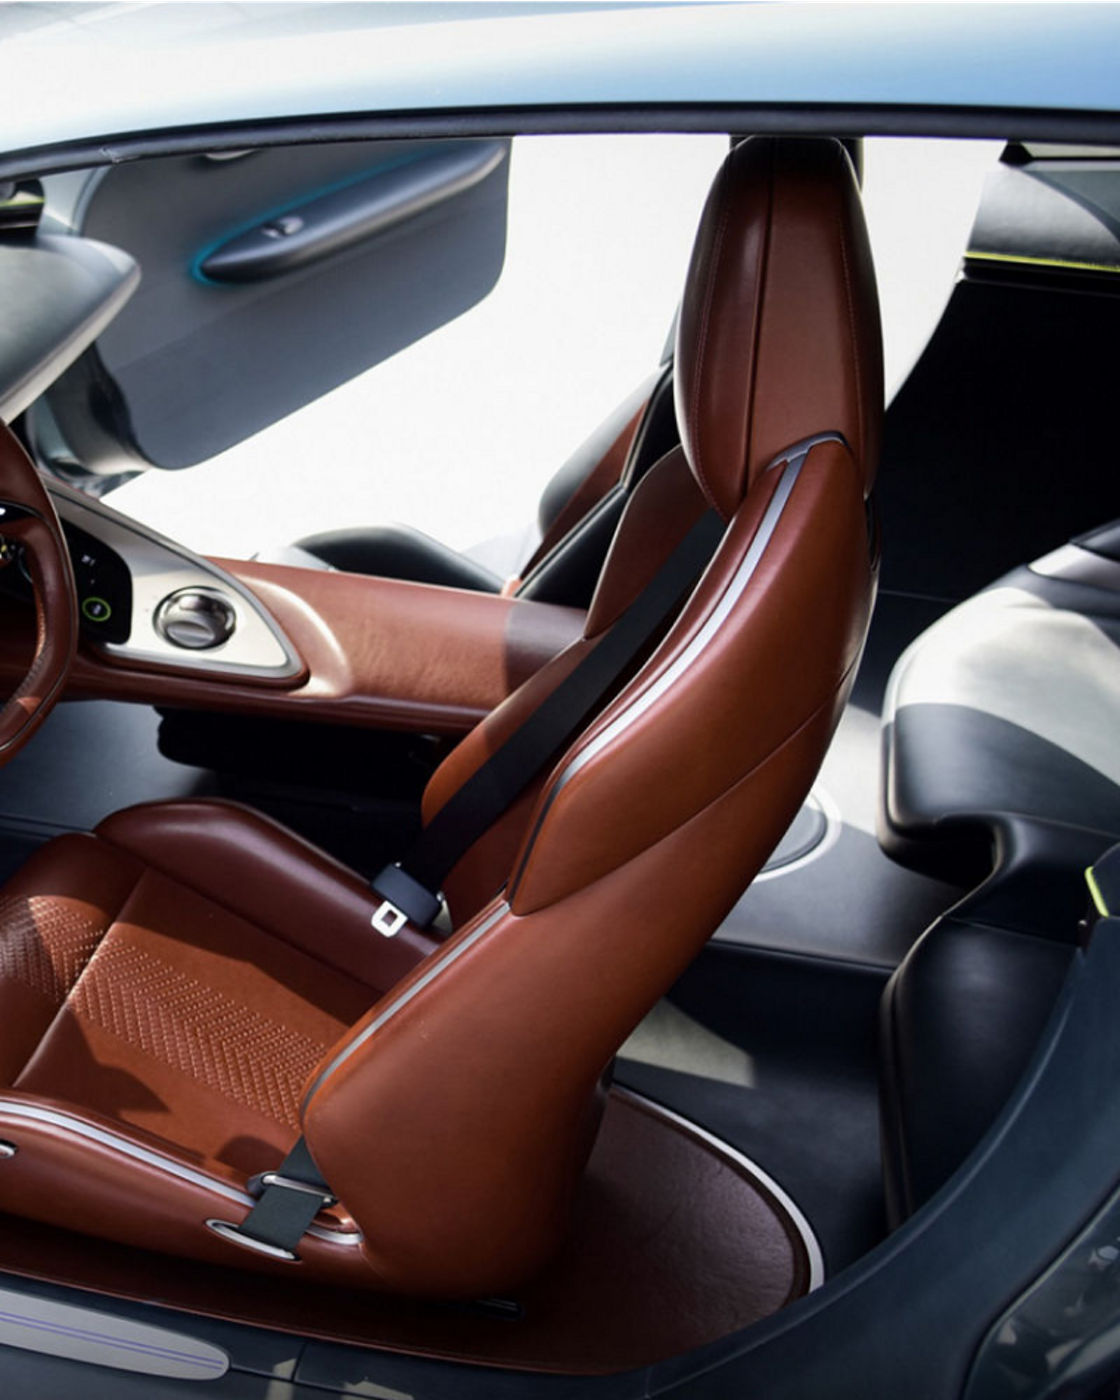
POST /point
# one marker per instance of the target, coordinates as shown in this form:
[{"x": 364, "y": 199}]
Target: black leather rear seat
[{"x": 1001, "y": 770}]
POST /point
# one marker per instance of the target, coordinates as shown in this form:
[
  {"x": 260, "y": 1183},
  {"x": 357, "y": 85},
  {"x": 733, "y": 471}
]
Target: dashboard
[
  {"x": 161, "y": 625},
  {"x": 143, "y": 598}
]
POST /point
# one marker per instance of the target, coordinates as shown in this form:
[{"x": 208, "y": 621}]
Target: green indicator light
[{"x": 96, "y": 609}]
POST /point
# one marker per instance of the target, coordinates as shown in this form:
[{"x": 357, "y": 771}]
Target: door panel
[{"x": 268, "y": 280}]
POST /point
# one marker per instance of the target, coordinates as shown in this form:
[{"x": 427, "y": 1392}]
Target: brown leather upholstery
[
  {"x": 169, "y": 983},
  {"x": 207, "y": 958},
  {"x": 656, "y": 519},
  {"x": 778, "y": 336}
]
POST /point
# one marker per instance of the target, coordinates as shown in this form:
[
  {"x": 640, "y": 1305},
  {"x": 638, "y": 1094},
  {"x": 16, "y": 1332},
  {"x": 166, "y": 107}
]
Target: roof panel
[{"x": 106, "y": 69}]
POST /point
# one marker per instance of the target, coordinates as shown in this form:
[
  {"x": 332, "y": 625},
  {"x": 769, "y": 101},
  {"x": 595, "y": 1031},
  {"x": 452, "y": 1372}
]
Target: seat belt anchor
[{"x": 403, "y": 900}]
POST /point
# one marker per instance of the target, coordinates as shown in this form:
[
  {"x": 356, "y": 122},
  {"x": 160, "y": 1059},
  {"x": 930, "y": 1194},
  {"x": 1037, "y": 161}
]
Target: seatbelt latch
[{"x": 404, "y": 900}]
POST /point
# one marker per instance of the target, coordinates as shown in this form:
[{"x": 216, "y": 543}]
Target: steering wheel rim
[{"x": 28, "y": 517}]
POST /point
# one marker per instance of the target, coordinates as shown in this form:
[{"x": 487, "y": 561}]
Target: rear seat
[
  {"x": 1002, "y": 718},
  {"x": 1001, "y": 771}
]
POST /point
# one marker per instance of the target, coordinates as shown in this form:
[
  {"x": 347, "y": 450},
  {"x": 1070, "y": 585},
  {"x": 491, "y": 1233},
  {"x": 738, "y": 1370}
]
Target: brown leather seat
[{"x": 189, "y": 986}]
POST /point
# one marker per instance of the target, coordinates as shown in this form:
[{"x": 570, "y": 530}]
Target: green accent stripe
[
  {"x": 1095, "y": 890},
  {"x": 1064, "y": 263}
]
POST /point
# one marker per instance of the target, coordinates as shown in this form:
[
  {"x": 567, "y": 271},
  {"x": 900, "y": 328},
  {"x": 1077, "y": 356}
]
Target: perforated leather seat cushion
[{"x": 127, "y": 991}]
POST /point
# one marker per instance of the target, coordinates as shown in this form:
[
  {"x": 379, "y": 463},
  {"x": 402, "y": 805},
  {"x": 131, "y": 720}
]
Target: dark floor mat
[{"x": 818, "y": 1139}]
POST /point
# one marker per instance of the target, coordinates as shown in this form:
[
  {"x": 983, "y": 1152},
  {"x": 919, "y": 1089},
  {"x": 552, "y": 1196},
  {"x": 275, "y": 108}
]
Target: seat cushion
[
  {"x": 189, "y": 1021},
  {"x": 168, "y": 984}
]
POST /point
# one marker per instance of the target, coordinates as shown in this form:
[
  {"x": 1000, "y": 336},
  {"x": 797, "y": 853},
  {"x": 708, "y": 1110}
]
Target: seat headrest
[{"x": 778, "y": 337}]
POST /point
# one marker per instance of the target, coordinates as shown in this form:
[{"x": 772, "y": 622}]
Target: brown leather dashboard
[{"x": 376, "y": 652}]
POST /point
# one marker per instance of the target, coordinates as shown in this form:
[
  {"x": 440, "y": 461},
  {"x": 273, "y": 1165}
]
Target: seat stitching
[{"x": 32, "y": 927}]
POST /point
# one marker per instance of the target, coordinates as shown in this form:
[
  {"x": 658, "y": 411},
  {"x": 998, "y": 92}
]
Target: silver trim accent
[
  {"x": 797, "y": 1217},
  {"x": 453, "y": 952},
  {"x": 159, "y": 568},
  {"x": 387, "y": 919},
  {"x": 228, "y": 1231},
  {"x": 792, "y": 461},
  {"x": 80, "y": 1128},
  {"x": 97, "y": 1338},
  {"x": 164, "y": 622},
  {"x": 7, "y": 1150},
  {"x": 289, "y": 1183}
]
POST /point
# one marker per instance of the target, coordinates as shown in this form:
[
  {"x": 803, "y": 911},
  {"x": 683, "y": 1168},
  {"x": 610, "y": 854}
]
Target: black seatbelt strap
[
  {"x": 408, "y": 889},
  {"x": 288, "y": 1200}
]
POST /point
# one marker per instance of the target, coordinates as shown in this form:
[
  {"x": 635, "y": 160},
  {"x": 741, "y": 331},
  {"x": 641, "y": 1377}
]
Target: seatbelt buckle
[
  {"x": 388, "y": 920},
  {"x": 404, "y": 900}
]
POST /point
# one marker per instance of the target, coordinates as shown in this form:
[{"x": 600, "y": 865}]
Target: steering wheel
[{"x": 28, "y": 519}]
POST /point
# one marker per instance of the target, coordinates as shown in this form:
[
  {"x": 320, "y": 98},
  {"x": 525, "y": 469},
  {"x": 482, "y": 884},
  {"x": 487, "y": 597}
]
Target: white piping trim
[
  {"x": 700, "y": 642},
  {"x": 402, "y": 1001},
  {"x": 797, "y": 1217},
  {"x": 80, "y": 1128},
  {"x": 792, "y": 461}
]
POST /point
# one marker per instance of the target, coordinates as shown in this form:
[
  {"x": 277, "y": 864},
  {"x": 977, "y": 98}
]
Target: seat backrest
[
  {"x": 575, "y": 539},
  {"x": 454, "y": 1119}
]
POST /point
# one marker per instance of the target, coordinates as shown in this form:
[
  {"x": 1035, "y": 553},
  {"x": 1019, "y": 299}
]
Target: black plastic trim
[{"x": 831, "y": 119}]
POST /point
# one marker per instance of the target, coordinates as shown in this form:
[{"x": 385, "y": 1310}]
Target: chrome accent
[
  {"x": 7, "y": 1150},
  {"x": 454, "y": 951},
  {"x": 228, "y": 1231},
  {"x": 197, "y": 619},
  {"x": 349, "y": 1238},
  {"x": 792, "y": 461},
  {"x": 80, "y": 1128},
  {"x": 388, "y": 920},
  {"x": 289, "y": 1183},
  {"x": 797, "y": 1219},
  {"x": 159, "y": 567}
]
